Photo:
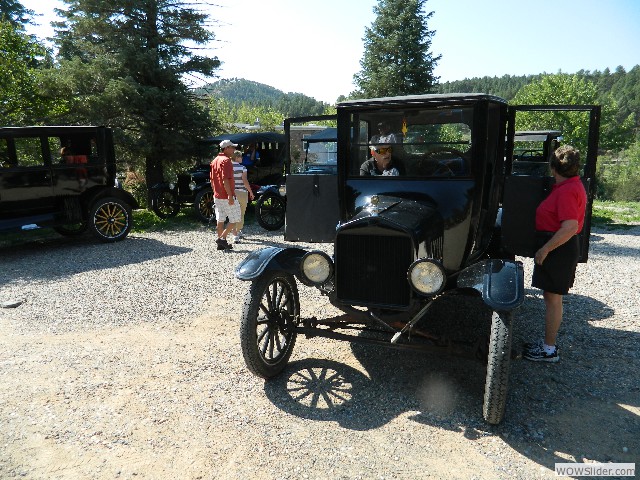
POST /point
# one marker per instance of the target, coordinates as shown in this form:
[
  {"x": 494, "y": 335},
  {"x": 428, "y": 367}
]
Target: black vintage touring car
[
  {"x": 63, "y": 177},
  {"x": 451, "y": 222}
]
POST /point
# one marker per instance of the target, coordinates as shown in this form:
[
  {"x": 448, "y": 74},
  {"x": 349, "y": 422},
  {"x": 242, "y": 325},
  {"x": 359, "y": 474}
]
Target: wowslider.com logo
[{"x": 595, "y": 469}]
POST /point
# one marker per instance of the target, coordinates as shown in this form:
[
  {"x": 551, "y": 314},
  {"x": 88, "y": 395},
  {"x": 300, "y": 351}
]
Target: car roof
[
  {"x": 536, "y": 135},
  {"x": 46, "y": 130},
  {"x": 435, "y": 98},
  {"x": 327, "y": 135}
]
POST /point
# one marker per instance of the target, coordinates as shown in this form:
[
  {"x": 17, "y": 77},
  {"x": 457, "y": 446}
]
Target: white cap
[{"x": 227, "y": 143}]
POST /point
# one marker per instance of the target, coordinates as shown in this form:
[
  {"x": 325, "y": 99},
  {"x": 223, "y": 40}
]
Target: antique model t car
[
  {"x": 400, "y": 242},
  {"x": 62, "y": 177},
  {"x": 193, "y": 187}
]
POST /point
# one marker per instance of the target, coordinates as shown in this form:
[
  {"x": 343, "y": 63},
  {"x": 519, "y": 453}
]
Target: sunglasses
[{"x": 383, "y": 150}]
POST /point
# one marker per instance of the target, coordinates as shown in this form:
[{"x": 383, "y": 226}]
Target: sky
[{"x": 315, "y": 47}]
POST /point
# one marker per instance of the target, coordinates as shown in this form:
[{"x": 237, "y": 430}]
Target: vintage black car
[
  {"x": 193, "y": 187},
  {"x": 402, "y": 242},
  {"x": 62, "y": 177}
]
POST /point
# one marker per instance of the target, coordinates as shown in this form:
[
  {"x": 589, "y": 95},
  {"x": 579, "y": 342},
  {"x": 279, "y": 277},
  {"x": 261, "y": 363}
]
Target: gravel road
[{"x": 122, "y": 361}]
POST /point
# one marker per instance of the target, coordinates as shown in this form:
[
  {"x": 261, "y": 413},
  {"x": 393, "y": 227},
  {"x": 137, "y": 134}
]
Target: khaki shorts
[{"x": 224, "y": 210}]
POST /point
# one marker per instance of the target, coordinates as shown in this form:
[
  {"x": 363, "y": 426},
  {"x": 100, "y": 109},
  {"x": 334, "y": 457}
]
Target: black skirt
[{"x": 558, "y": 271}]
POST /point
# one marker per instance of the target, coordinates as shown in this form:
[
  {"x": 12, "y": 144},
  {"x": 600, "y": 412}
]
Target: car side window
[
  {"x": 29, "y": 152},
  {"x": 5, "y": 158}
]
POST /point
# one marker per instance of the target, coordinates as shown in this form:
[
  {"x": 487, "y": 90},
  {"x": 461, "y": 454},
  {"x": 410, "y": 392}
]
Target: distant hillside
[
  {"x": 505, "y": 86},
  {"x": 237, "y": 91},
  {"x": 622, "y": 85}
]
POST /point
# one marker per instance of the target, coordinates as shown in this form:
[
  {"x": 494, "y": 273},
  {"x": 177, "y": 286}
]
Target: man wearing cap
[
  {"x": 224, "y": 193},
  {"x": 380, "y": 162}
]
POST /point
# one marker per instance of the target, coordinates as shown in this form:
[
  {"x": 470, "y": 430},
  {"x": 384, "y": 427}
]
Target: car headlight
[
  {"x": 316, "y": 267},
  {"x": 192, "y": 185},
  {"x": 427, "y": 276},
  {"x": 282, "y": 190}
]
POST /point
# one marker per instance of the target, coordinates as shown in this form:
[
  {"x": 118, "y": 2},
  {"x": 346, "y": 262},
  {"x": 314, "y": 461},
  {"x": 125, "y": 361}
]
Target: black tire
[
  {"x": 270, "y": 211},
  {"x": 203, "y": 205},
  {"x": 164, "y": 204},
  {"x": 498, "y": 363},
  {"x": 269, "y": 316},
  {"x": 72, "y": 229},
  {"x": 110, "y": 219}
]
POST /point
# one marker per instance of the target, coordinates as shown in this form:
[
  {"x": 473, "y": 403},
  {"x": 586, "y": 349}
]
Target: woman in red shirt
[{"x": 559, "y": 218}]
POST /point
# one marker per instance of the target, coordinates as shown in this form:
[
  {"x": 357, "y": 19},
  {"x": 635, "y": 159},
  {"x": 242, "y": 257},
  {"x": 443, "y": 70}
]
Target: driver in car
[{"x": 380, "y": 163}]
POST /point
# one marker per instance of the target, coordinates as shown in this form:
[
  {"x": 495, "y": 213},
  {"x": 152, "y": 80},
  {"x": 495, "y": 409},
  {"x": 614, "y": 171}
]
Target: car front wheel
[
  {"x": 203, "y": 205},
  {"x": 164, "y": 204},
  {"x": 270, "y": 211},
  {"x": 269, "y": 317},
  {"x": 110, "y": 219},
  {"x": 495, "y": 388}
]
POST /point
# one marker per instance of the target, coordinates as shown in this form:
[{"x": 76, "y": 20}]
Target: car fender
[
  {"x": 500, "y": 282},
  {"x": 270, "y": 258},
  {"x": 162, "y": 186},
  {"x": 203, "y": 186},
  {"x": 117, "y": 193}
]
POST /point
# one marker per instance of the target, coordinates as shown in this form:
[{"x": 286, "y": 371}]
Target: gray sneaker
[{"x": 532, "y": 345}]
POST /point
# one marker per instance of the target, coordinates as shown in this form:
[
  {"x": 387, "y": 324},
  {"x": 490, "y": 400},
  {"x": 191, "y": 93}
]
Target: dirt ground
[{"x": 167, "y": 400}]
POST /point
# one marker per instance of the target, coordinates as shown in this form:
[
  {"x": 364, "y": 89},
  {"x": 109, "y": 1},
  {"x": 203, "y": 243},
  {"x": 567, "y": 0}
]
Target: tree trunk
[{"x": 154, "y": 174}]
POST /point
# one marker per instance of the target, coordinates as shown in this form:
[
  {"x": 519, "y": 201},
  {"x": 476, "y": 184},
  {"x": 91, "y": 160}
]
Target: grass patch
[
  {"x": 147, "y": 221},
  {"x": 623, "y": 215}
]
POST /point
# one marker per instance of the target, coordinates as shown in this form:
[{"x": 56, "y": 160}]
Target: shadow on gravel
[
  {"x": 55, "y": 258},
  {"x": 587, "y": 407}
]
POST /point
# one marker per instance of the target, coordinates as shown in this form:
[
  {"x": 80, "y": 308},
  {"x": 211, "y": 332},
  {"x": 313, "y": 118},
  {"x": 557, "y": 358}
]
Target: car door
[
  {"x": 25, "y": 177},
  {"x": 524, "y": 189},
  {"x": 312, "y": 211}
]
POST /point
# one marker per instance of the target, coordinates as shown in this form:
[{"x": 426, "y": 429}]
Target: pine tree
[
  {"x": 124, "y": 63},
  {"x": 14, "y": 12},
  {"x": 397, "y": 58}
]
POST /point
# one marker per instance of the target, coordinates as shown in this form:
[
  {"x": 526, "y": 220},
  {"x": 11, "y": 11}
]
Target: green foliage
[
  {"x": 397, "y": 58},
  {"x": 618, "y": 176},
  {"x": 618, "y": 91},
  {"x": 147, "y": 221},
  {"x": 245, "y": 113},
  {"x": 505, "y": 87},
  {"x": 21, "y": 61},
  {"x": 565, "y": 89},
  {"x": 15, "y": 13},
  {"x": 615, "y": 214}
]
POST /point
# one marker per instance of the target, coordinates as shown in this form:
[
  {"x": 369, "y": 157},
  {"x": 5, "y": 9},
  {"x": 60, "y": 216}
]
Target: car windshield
[{"x": 423, "y": 143}]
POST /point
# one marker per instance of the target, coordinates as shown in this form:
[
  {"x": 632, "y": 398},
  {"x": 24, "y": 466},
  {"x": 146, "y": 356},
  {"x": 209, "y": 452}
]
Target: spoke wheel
[
  {"x": 270, "y": 211},
  {"x": 110, "y": 219},
  {"x": 203, "y": 205},
  {"x": 269, "y": 317},
  {"x": 499, "y": 361},
  {"x": 164, "y": 204}
]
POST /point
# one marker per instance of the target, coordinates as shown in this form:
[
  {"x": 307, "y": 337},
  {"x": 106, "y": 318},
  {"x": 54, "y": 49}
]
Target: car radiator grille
[{"x": 371, "y": 270}]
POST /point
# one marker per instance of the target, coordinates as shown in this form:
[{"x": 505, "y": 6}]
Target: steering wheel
[{"x": 432, "y": 167}]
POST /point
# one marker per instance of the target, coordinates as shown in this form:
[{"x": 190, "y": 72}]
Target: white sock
[{"x": 548, "y": 349}]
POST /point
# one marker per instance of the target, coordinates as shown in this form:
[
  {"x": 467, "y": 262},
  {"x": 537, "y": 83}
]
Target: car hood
[{"x": 417, "y": 216}]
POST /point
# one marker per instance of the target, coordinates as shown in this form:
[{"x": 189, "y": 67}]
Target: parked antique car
[
  {"x": 320, "y": 157},
  {"x": 62, "y": 177},
  {"x": 400, "y": 243},
  {"x": 193, "y": 187}
]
